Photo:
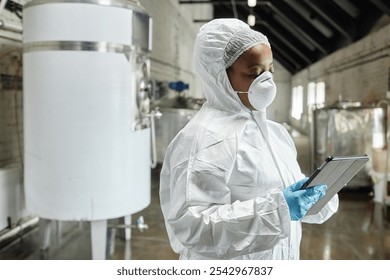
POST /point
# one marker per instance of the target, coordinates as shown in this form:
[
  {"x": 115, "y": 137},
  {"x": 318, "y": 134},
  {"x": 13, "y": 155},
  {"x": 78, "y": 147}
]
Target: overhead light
[
  {"x": 252, "y": 3},
  {"x": 251, "y": 20}
]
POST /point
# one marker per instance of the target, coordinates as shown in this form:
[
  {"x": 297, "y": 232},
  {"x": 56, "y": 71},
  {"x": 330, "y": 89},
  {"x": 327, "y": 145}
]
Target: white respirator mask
[{"x": 262, "y": 91}]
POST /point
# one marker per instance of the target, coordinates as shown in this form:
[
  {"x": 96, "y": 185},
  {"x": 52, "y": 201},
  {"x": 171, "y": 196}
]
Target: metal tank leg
[
  {"x": 45, "y": 228},
  {"x": 98, "y": 239},
  {"x": 45, "y": 232},
  {"x": 127, "y": 255},
  {"x": 127, "y": 227}
]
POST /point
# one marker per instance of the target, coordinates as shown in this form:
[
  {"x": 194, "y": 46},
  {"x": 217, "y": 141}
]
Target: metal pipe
[
  {"x": 140, "y": 224},
  {"x": 19, "y": 229},
  {"x": 127, "y": 4},
  {"x": 10, "y": 27}
]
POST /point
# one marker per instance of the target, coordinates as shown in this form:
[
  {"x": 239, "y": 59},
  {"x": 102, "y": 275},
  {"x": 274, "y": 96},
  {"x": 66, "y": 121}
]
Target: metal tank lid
[
  {"x": 347, "y": 105},
  {"x": 141, "y": 39},
  {"x": 126, "y": 4}
]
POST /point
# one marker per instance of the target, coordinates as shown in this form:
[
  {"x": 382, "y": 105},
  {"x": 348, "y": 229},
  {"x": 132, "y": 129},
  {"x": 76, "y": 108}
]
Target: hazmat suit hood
[{"x": 218, "y": 44}]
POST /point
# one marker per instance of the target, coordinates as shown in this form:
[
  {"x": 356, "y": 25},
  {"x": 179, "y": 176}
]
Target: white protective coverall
[{"x": 223, "y": 174}]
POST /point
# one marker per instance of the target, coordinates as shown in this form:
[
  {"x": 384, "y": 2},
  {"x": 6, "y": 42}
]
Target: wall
[
  {"x": 174, "y": 34},
  {"x": 359, "y": 72},
  {"x": 11, "y": 121}
]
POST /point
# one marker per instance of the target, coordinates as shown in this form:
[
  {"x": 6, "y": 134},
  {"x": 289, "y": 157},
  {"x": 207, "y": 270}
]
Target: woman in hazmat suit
[{"x": 229, "y": 185}]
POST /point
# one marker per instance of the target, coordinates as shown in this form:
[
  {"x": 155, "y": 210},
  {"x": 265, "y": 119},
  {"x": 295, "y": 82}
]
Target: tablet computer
[{"x": 335, "y": 172}]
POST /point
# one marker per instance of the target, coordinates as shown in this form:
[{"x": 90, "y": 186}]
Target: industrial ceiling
[{"x": 302, "y": 32}]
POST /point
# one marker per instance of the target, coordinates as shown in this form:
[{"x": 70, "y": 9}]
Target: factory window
[
  {"x": 320, "y": 93},
  {"x": 316, "y": 93},
  {"x": 311, "y": 93},
  {"x": 297, "y": 102}
]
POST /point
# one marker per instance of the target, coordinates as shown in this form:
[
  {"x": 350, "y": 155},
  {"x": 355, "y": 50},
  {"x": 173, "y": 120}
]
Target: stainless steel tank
[
  {"x": 167, "y": 127},
  {"x": 86, "y": 107},
  {"x": 176, "y": 113},
  {"x": 348, "y": 129}
]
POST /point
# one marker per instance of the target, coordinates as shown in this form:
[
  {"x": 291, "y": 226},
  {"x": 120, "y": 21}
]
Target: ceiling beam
[
  {"x": 214, "y": 2},
  {"x": 383, "y": 5},
  {"x": 299, "y": 40},
  {"x": 282, "y": 57},
  {"x": 283, "y": 50},
  {"x": 302, "y": 26},
  {"x": 344, "y": 25},
  {"x": 295, "y": 54},
  {"x": 285, "y": 62},
  {"x": 368, "y": 18},
  {"x": 225, "y": 10},
  {"x": 290, "y": 42}
]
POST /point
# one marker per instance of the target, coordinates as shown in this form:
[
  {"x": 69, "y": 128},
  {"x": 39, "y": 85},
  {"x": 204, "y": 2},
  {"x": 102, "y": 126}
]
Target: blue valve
[{"x": 178, "y": 86}]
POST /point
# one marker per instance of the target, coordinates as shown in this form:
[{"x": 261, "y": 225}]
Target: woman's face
[{"x": 247, "y": 68}]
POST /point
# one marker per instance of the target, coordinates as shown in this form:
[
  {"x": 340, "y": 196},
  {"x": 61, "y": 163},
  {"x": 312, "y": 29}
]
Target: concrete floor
[{"x": 359, "y": 231}]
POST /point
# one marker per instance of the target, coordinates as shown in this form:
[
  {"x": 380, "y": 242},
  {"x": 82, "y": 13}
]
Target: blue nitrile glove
[{"x": 300, "y": 201}]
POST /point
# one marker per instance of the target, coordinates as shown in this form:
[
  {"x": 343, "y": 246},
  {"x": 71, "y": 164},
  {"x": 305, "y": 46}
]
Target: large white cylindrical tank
[{"x": 87, "y": 136}]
